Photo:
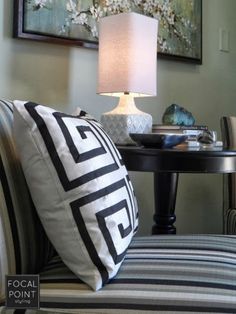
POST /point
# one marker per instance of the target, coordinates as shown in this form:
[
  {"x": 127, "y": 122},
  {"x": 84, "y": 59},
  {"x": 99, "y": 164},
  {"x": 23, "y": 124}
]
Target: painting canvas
[{"x": 76, "y": 22}]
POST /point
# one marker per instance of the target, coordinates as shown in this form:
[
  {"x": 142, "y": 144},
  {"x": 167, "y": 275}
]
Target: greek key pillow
[{"x": 80, "y": 188}]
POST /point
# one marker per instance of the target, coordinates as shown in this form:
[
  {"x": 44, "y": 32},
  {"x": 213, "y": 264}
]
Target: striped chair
[
  {"x": 228, "y": 128},
  {"x": 24, "y": 247},
  {"x": 160, "y": 274}
]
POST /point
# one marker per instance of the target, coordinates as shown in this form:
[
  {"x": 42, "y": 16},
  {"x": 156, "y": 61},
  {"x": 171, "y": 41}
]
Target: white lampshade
[{"x": 127, "y": 66}]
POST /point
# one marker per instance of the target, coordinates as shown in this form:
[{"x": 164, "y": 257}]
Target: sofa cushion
[
  {"x": 24, "y": 247},
  {"x": 80, "y": 188},
  {"x": 160, "y": 274}
]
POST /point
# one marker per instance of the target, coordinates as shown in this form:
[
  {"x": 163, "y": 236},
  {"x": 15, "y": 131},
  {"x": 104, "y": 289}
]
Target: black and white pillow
[{"x": 80, "y": 188}]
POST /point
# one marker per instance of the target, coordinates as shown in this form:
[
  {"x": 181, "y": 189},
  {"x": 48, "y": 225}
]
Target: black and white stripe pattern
[
  {"x": 24, "y": 247},
  {"x": 160, "y": 274},
  {"x": 80, "y": 188}
]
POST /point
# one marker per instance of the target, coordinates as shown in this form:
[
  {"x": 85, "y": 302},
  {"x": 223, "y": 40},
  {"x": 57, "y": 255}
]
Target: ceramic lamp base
[
  {"x": 126, "y": 118},
  {"x": 119, "y": 126}
]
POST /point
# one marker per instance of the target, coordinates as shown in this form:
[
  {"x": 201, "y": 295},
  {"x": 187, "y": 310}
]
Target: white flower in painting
[
  {"x": 118, "y": 6},
  {"x": 62, "y": 30},
  {"x": 94, "y": 31},
  {"x": 146, "y": 6},
  {"x": 137, "y": 2},
  {"x": 157, "y": 15},
  {"x": 96, "y": 12},
  {"x": 108, "y": 2},
  {"x": 40, "y": 3},
  {"x": 162, "y": 44},
  {"x": 80, "y": 19},
  {"x": 165, "y": 7},
  {"x": 171, "y": 19},
  {"x": 70, "y": 6}
]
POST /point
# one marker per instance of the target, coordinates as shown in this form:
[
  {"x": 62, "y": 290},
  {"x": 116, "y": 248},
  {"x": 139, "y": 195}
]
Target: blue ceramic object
[{"x": 177, "y": 115}]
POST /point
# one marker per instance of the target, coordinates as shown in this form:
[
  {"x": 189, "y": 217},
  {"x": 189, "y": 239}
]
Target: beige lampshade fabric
[{"x": 127, "y": 55}]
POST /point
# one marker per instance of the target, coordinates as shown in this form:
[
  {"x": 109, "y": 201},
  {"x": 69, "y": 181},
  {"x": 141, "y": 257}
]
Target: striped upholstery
[
  {"x": 228, "y": 128},
  {"x": 164, "y": 274},
  {"x": 24, "y": 247}
]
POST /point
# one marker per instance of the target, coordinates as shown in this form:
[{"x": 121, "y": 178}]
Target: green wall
[{"x": 65, "y": 77}]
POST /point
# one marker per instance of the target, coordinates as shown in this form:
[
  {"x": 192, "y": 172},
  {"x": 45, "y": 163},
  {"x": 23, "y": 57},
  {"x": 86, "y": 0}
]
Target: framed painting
[{"x": 75, "y": 22}]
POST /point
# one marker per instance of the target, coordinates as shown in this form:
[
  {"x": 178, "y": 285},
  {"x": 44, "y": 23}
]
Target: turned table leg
[{"x": 165, "y": 190}]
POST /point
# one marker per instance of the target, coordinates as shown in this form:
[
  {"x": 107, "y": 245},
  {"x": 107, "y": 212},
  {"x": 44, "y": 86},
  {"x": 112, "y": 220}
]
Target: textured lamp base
[{"x": 118, "y": 126}]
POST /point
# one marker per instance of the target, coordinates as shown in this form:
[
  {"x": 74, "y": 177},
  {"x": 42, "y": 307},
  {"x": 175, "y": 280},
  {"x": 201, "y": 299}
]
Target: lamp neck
[{"x": 126, "y": 105}]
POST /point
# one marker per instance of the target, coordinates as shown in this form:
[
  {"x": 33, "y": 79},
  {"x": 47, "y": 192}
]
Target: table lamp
[{"x": 127, "y": 61}]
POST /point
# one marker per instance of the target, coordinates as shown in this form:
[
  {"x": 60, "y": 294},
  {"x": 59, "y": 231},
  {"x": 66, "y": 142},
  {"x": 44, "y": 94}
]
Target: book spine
[
  {"x": 188, "y": 133},
  {"x": 179, "y": 127},
  {"x": 194, "y": 127},
  {"x": 197, "y": 144},
  {"x": 192, "y": 132}
]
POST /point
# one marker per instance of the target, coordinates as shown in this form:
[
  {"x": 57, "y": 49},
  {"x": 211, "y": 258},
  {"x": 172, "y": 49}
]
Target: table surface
[{"x": 180, "y": 159}]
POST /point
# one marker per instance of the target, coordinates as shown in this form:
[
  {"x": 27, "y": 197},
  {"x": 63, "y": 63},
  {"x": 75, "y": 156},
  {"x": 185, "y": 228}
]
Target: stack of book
[{"x": 191, "y": 132}]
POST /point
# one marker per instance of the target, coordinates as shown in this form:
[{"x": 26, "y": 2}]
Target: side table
[{"x": 166, "y": 164}]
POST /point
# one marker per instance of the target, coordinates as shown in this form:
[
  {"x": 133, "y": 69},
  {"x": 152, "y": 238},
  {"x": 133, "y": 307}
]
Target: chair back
[
  {"x": 24, "y": 247},
  {"x": 228, "y": 130}
]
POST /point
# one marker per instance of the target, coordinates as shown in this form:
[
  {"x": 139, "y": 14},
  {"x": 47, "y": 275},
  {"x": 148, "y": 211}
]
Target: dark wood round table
[{"x": 166, "y": 164}]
